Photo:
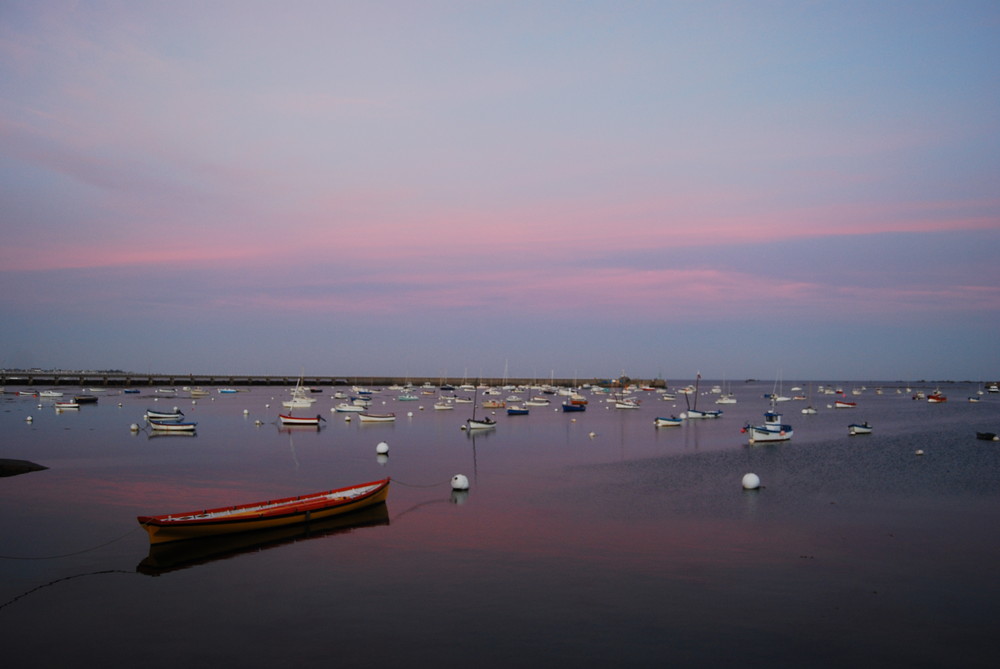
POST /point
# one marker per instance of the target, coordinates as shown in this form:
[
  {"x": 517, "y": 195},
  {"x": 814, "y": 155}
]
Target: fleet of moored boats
[{"x": 316, "y": 506}]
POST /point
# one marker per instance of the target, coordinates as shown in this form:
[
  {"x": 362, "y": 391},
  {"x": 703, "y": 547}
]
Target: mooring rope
[
  {"x": 60, "y": 580},
  {"x": 418, "y": 485}
]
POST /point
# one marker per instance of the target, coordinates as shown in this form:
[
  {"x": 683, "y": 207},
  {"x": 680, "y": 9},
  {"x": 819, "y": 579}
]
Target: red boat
[
  {"x": 263, "y": 515},
  {"x": 300, "y": 420}
]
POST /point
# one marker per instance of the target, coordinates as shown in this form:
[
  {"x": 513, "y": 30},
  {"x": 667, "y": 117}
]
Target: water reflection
[{"x": 176, "y": 555}]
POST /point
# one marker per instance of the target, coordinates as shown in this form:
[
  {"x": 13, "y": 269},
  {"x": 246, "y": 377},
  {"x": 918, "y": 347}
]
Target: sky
[{"x": 807, "y": 189}]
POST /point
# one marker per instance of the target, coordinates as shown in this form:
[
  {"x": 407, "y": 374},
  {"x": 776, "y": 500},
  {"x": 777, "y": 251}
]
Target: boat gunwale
[{"x": 266, "y": 510}]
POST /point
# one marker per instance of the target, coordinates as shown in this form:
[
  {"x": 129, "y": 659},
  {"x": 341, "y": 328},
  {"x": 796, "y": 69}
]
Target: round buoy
[
  {"x": 28, "y": 419},
  {"x": 592, "y": 435},
  {"x": 133, "y": 427},
  {"x": 751, "y": 481},
  {"x": 464, "y": 427},
  {"x": 258, "y": 422},
  {"x": 920, "y": 451},
  {"x": 459, "y": 482},
  {"x": 409, "y": 414},
  {"x": 246, "y": 411},
  {"x": 347, "y": 418},
  {"x": 382, "y": 448}
]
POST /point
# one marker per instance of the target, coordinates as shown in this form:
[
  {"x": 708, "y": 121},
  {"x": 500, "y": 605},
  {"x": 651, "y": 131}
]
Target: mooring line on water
[
  {"x": 417, "y": 485},
  {"x": 85, "y": 550},
  {"x": 60, "y": 580}
]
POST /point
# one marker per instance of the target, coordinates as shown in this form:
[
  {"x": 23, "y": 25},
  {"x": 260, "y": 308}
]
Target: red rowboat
[{"x": 263, "y": 515}]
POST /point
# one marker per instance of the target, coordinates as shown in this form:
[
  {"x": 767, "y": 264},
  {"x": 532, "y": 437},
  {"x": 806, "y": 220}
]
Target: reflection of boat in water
[
  {"x": 263, "y": 515},
  {"x": 176, "y": 555},
  {"x": 160, "y": 434}
]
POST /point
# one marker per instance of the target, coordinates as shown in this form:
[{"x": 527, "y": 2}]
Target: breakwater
[{"x": 139, "y": 380}]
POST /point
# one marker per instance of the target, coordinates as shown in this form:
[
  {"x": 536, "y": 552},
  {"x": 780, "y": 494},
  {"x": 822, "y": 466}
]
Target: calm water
[{"x": 588, "y": 539}]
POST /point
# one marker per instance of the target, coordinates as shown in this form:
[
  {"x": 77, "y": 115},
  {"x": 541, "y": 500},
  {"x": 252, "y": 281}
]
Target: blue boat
[{"x": 567, "y": 406}]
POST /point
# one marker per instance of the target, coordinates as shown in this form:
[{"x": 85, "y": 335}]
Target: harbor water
[{"x": 586, "y": 539}]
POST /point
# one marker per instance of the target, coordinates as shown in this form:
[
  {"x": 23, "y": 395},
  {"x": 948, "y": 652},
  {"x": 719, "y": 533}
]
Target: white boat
[
  {"x": 300, "y": 397},
  {"x": 173, "y": 414},
  {"x": 377, "y": 417},
  {"x": 480, "y": 423},
  {"x": 859, "y": 428},
  {"x": 343, "y": 407},
  {"x": 772, "y": 429},
  {"x": 172, "y": 426},
  {"x": 693, "y": 411},
  {"x": 227, "y": 391},
  {"x": 444, "y": 406},
  {"x": 50, "y": 393},
  {"x": 672, "y": 421},
  {"x": 71, "y": 404},
  {"x": 697, "y": 413},
  {"x": 809, "y": 410}
]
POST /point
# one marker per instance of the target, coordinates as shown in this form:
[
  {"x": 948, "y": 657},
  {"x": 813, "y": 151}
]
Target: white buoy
[
  {"x": 246, "y": 412},
  {"x": 459, "y": 482},
  {"x": 133, "y": 427},
  {"x": 592, "y": 435},
  {"x": 920, "y": 451},
  {"x": 347, "y": 418},
  {"x": 382, "y": 448},
  {"x": 258, "y": 422},
  {"x": 28, "y": 419},
  {"x": 751, "y": 481},
  {"x": 409, "y": 414}
]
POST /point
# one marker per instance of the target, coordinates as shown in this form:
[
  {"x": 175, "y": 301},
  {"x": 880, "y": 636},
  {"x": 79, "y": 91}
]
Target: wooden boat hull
[
  {"x": 300, "y": 420},
  {"x": 264, "y": 515}
]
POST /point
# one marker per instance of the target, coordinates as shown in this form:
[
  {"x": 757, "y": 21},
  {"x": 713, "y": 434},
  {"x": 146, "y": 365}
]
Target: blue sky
[{"x": 568, "y": 188}]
